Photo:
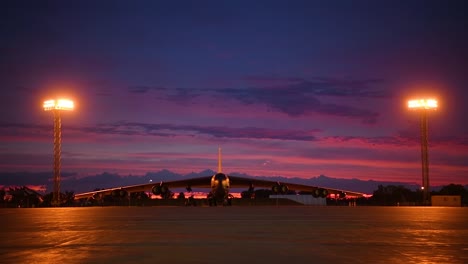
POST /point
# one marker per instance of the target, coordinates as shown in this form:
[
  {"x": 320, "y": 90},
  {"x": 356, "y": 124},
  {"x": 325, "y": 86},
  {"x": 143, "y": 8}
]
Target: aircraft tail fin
[{"x": 219, "y": 160}]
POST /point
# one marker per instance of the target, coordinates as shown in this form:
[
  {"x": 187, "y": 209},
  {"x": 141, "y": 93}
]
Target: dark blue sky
[{"x": 292, "y": 88}]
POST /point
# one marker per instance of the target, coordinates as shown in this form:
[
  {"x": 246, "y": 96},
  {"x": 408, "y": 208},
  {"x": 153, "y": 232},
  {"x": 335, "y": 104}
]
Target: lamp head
[
  {"x": 427, "y": 104},
  {"x": 59, "y": 104}
]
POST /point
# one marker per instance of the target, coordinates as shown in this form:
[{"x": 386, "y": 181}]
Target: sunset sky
[{"x": 288, "y": 88}]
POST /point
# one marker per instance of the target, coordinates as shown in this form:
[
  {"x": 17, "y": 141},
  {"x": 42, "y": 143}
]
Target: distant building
[{"x": 446, "y": 200}]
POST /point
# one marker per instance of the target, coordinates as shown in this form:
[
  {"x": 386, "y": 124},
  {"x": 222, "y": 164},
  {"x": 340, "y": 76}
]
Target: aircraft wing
[
  {"x": 201, "y": 182},
  {"x": 204, "y": 182},
  {"x": 249, "y": 182}
]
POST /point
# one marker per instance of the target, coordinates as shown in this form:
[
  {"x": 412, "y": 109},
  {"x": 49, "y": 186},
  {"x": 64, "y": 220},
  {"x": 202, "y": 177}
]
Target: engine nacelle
[
  {"x": 119, "y": 193},
  {"x": 319, "y": 192},
  {"x": 97, "y": 196},
  {"x": 160, "y": 190},
  {"x": 280, "y": 188}
]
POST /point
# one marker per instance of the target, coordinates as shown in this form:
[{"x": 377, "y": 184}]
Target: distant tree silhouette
[
  {"x": 67, "y": 198},
  {"x": 455, "y": 189},
  {"x": 24, "y": 197},
  {"x": 393, "y": 195},
  {"x": 47, "y": 200},
  {"x": 2, "y": 198}
]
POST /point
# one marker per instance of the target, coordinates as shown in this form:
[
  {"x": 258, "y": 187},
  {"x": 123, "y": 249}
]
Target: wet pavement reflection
[{"x": 234, "y": 235}]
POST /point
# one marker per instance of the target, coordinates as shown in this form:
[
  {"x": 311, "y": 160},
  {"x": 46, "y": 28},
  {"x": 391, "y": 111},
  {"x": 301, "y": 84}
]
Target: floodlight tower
[
  {"x": 423, "y": 106},
  {"x": 56, "y": 106}
]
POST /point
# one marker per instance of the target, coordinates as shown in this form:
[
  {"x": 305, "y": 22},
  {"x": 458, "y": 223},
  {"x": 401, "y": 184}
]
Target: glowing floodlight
[
  {"x": 423, "y": 104},
  {"x": 59, "y": 104}
]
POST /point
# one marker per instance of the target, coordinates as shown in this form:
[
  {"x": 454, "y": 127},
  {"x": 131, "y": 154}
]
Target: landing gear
[
  {"x": 190, "y": 201},
  {"x": 227, "y": 202},
  {"x": 212, "y": 202}
]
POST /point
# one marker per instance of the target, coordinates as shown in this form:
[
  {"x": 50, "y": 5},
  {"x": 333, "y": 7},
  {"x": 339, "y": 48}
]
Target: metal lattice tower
[
  {"x": 423, "y": 106},
  {"x": 56, "y": 106},
  {"x": 425, "y": 158},
  {"x": 57, "y": 157}
]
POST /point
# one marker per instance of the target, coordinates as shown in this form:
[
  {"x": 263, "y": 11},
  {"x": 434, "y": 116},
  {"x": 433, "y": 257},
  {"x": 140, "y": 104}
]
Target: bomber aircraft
[{"x": 219, "y": 183}]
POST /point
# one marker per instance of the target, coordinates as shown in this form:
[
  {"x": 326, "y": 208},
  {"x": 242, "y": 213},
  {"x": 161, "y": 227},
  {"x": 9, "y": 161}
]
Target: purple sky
[{"x": 290, "y": 88}]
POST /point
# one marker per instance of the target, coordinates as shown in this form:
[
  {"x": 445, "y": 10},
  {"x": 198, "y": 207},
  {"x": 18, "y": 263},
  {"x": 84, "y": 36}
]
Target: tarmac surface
[{"x": 242, "y": 234}]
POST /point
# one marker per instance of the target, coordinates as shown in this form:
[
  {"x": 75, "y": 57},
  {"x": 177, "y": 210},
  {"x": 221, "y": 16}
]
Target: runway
[{"x": 243, "y": 234}]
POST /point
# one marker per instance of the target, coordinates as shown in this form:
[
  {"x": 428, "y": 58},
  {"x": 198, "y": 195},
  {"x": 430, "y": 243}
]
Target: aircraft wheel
[{"x": 212, "y": 201}]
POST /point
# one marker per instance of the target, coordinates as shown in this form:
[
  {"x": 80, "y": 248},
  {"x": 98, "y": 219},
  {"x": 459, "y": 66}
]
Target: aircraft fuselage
[{"x": 219, "y": 188}]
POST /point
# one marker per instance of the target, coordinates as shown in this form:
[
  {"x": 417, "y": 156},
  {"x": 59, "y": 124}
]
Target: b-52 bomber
[{"x": 219, "y": 185}]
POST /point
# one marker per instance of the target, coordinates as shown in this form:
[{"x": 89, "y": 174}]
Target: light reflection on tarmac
[{"x": 247, "y": 234}]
